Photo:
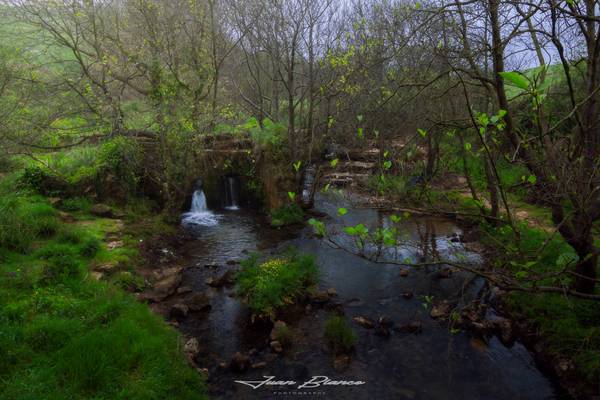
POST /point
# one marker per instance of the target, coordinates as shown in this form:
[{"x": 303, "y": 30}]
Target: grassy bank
[{"x": 65, "y": 335}]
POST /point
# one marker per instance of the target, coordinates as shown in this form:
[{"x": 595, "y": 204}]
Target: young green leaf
[
  {"x": 342, "y": 211},
  {"x": 422, "y": 132},
  {"x": 334, "y": 162},
  {"x": 297, "y": 165},
  {"x": 292, "y": 195},
  {"x": 516, "y": 79}
]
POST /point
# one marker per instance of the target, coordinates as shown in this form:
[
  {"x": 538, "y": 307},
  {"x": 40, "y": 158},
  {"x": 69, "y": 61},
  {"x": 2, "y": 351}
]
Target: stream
[{"x": 435, "y": 364}]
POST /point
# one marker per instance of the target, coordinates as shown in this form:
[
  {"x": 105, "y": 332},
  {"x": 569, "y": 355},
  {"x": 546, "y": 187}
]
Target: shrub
[
  {"x": 339, "y": 335},
  {"x": 288, "y": 215},
  {"x": 76, "y": 204},
  {"x": 33, "y": 177},
  {"x": 271, "y": 284}
]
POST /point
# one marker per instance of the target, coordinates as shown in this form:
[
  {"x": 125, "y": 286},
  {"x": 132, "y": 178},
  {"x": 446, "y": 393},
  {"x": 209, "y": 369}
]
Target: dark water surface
[{"x": 435, "y": 364}]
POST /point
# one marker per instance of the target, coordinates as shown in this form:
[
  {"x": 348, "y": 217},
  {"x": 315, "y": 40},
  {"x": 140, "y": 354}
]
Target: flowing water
[
  {"x": 199, "y": 213},
  {"x": 436, "y": 364}
]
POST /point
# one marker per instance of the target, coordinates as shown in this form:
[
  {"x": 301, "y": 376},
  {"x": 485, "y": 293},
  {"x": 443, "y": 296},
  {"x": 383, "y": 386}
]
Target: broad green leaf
[
  {"x": 360, "y": 133},
  {"x": 468, "y": 146},
  {"x": 342, "y": 211},
  {"x": 387, "y": 164},
  {"x": 422, "y": 132},
  {"x": 334, "y": 162},
  {"x": 292, "y": 195},
  {"x": 516, "y": 79}
]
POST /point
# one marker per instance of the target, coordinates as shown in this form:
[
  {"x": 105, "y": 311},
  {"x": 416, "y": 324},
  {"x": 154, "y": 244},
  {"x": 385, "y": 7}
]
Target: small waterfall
[
  {"x": 199, "y": 213},
  {"x": 232, "y": 191},
  {"x": 198, "y": 202}
]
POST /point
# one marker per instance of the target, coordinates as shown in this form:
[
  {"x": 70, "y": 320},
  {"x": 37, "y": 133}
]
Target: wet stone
[{"x": 364, "y": 322}]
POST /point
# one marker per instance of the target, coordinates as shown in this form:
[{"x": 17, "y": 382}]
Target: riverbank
[{"x": 70, "y": 329}]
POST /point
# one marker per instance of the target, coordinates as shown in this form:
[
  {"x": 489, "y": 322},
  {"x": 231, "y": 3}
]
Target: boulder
[
  {"x": 276, "y": 346},
  {"x": 198, "y": 301},
  {"x": 102, "y": 210},
  {"x": 441, "y": 310},
  {"x": 239, "y": 362},
  {"x": 166, "y": 287},
  {"x": 341, "y": 362},
  {"x": 114, "y": 244},
  {"x": 259, "y": 365},
  {"x": 277, "y": 326},
  {"x": 192, "y": 347},
  {"x": 66, "y": 217},
  {"x": 404, "y": 272},
  {"x": 108, "y": 267},
  {"x": 228, "y": 278},
  {"x": 96, "y": 275},
  {"x": 331, "y": 292},
  {"x": 414, "y": 327},
  {"x": 183, "y": 289},
  {"x": 179, "y": 311},
  {"x": 364, "y": 322},
  {"x": 321, "y": 297}
]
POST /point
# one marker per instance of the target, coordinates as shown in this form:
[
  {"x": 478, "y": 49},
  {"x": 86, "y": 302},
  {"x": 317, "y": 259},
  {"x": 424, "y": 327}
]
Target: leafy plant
[
  {"x": 339, "y": 335},
  {"x": 287, "y": 215},
  {"x": 271, "y": 284}
]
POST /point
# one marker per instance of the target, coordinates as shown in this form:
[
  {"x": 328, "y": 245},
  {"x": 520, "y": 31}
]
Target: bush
[
  {"x": 339, "y": 335},
  {"x": 288, "y": 215},
  {"x": 272, "y": 284},
  {"x": 76, "y": 204}
]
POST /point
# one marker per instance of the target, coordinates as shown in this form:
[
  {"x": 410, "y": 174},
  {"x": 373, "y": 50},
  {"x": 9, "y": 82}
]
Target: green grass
[
  {"x": 64, "y": 335},
  {"x": 287, "y": 215},
  {"x": 339, "y": 335},
  {"x": 271, "y": 284}
]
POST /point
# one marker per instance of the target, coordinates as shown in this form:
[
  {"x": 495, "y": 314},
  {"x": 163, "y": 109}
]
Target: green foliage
[
  {"x": 287, "y": 215},
  {"x": 33, "y": 177},
  {"x": 571, "y": 327},
  {"x": 271, "y": 284},
  {"x": 122, "y": 157},
  {"x": 23, "y": 220},
  {"x": 339, "y": 335},
  {"x": 76, "y": 204}
]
